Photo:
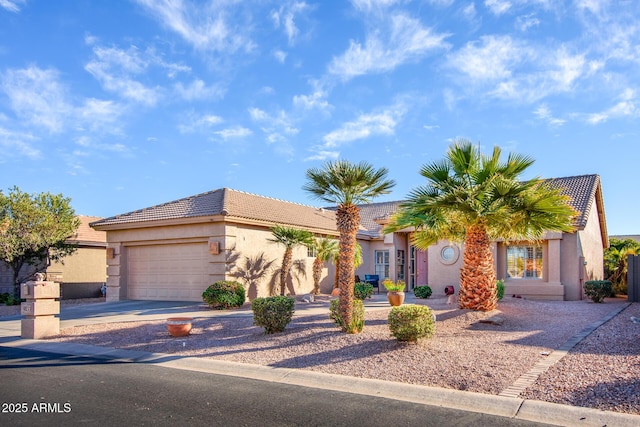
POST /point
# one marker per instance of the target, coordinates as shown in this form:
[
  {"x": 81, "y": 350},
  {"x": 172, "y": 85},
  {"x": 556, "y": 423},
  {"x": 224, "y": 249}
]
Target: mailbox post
[{"x": 40, "y": 309}]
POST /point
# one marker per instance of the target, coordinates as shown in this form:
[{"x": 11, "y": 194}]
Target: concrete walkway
[{"x": 507, "y": 404}]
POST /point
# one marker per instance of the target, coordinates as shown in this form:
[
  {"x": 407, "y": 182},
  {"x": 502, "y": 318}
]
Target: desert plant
[
  {"x": 500, "y": 289},
  {"x": 346, "y": 184},
  {"x": 363, "y": 290},
  {"x": 392, "y": 286},
  {"x": 273, "y": 313},
  {"x": 475, "y": 198},
  {"x": 411, "y": 322},
  {"x": 357, "y": 316},
  {"x": 597, "y": 290},
  {"x": 224, "y": 294},
  {"x": 422, "y": 291}
]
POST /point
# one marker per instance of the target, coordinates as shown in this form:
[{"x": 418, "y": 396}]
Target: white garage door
[{"x": 175, "y": 272}]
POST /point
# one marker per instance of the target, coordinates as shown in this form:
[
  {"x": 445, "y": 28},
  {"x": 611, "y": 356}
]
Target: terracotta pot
[
  {"x": 179, "y": 326},
  {"x": 335, "y": 292},
  {"x": 395, "y": 298}
]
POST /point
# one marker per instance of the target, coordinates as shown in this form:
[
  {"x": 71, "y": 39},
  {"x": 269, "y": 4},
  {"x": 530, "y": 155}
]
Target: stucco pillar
[
  {"x": 115, "y": 273},
  {"x": 554, "y": 261},
  {"x": 39, "y": 309}
]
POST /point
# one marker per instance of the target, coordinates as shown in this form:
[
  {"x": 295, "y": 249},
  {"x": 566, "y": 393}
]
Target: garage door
[{"x": 167, "y": 272}]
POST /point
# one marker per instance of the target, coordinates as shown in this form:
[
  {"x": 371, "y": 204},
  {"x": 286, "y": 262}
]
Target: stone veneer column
[{"x": 115, "y": 272}]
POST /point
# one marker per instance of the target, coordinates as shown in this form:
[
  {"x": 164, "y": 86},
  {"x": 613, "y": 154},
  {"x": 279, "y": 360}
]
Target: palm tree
[
  {"x": 289, "y": 237},
  {"x": 475, "y": 198},
  {"x": 326, "y": 250},
  {"x": 615, "y": 261},
  {"x": 357, "y": 262},
  {"x": 346, "y": 184}
]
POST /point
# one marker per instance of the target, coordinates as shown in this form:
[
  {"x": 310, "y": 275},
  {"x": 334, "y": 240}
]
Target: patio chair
[{"x": 373, "y": 280}]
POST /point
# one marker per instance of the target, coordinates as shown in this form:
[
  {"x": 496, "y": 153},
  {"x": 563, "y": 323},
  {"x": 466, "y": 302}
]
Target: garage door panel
[{"x": 168, "y": 272}]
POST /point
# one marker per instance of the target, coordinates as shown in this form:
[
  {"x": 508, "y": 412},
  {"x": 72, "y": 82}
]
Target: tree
[
  {"x": 326, "y": 250},
  {"x": 347, "y": 184},
  {"x": 289, "y": 237},
  {"x": 33, "y": 231},
  {"x": 615, "y": 261},
  {"x": 475, "y": 198}
]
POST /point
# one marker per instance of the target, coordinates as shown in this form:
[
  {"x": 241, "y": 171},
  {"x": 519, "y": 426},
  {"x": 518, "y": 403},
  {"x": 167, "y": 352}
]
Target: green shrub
[
  {"x": 619, "y": 289},
  {"x": 363, "y": 290},
  {"x": 9, "y": 299},
  {"x": 500, "y": 289},
  {"x": 224, "y": 294},
  {"x": 357, "y": 317},
  {"x": 273, "y": 313},
  {"x": 597, "y": 290},
  {"x": 411, "y": 322},
  {"x": 392, "y": 286},
  {"x": 422, "y": 291}
]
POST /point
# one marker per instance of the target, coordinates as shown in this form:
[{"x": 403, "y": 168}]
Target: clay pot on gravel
[
  {"x": 395, "y": 298},
  {"x": 179, "y": 326}
]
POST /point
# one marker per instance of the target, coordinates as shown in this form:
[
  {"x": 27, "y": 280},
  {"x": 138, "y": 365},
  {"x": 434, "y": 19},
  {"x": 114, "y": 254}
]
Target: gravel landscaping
[{"x": 601, "y": 372}]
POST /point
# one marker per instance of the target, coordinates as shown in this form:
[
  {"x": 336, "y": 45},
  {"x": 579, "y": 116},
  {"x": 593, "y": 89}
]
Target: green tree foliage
[
  {"x": 34, "y": 229},
  {"x": 289, "y": 237},
  {"x": 615, "y": 261},
  {"x": 346, "y": 184},
  {"x": 476, "y": 198}
]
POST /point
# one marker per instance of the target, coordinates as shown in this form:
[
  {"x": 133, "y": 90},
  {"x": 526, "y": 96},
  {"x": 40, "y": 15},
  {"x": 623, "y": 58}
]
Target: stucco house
[
  {"x": 82, "y": 274},
  {"x": 173, "y": 251}
]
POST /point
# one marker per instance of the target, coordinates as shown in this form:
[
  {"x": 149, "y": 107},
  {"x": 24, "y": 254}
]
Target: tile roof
[
  {"x": 231, "y": 204},
  {"x": 87, "y": 235},
  {"x": 583, "y": 192}
]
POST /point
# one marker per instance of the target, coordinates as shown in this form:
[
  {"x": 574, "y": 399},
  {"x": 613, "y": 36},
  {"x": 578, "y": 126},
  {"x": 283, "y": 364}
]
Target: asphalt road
[{"x": 47, "y": 389}]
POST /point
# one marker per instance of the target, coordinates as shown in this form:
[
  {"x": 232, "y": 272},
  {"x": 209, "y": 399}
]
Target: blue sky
[{"x": 121, "y": 105}]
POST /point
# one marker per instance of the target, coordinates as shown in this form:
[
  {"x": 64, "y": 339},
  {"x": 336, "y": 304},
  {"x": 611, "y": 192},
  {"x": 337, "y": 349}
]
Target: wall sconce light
[
  {"x": 214, "y": 247},
  {"x": 111, "y": 253}
]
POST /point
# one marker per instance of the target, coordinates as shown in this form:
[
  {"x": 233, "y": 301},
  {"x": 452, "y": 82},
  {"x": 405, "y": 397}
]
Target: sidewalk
[{"x": 506, "y": 406}]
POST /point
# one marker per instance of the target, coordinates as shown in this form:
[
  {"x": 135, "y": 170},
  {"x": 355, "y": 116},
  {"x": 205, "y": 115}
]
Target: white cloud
[
  {"x": 625, "y": 107},
  {"x": 469, "y": 11},
  {"x": 17, "y": 143},
  {"x": 524, "y": 22},
  {"x": 373, "y": 5},
  {"x": 205, "y": 27},
  {"x": 285, "y": 17},
  {"x": 198, "y": 90},
  {"x": 400, "y": 39},
  {"x": 114, "y": 69},
  {"x": 365, "y": 126},
  {"x": 593, "y": 6},
  {"x": 512, "y": 69},
  {"x": 234, "y": 132},
  {"x": 280, "y": 55},
  {"x": 490, "y": 59},
  {"x": 498, "y": 7},
  {"x": 37, "y": 96},
  {"x": 101, "y": 114},
  {"x": 316, "y": 100},
  {"x": 199, "y": 123},
  {"x": 12, "y": 5},
  {"x": 323, "y": 155},
  {"x": 544, "y": 113}
]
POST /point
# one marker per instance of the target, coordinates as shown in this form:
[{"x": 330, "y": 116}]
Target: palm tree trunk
[
  {"x": 477, "y": 275},
  {"x": 348, "y": 222},
  {"x": 317, "y": 274},
  {"x": 284, "y": 271}
]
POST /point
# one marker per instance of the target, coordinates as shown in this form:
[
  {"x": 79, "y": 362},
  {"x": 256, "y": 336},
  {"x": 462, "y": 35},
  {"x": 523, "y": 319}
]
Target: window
[
  {"x": 400, "y": 265},
  {"x": 524, "y": 262},
  {"x": 311, "y": 252},
  {"x": 382, "y": 264}
]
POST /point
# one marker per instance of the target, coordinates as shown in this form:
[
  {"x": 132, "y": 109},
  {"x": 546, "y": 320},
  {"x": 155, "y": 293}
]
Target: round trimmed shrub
[
  {"x": 411, "y": 322},
  {"x": 422, "y": 291},
  {"x": 363, "y": 290},
  {"x": 273, "y": 313},
  {"x": 357, "y": 316},
  {"x": 224, "y": 294},
  {"x": 597, "y": 290}
]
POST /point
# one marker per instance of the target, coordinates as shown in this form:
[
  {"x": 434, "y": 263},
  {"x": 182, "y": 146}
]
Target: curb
[{"x": 509, "y": 407}]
